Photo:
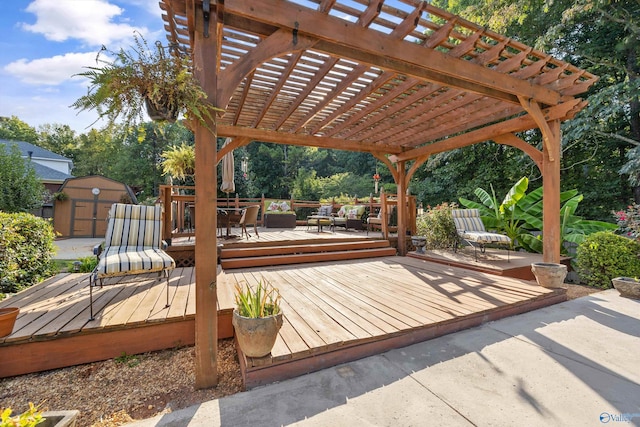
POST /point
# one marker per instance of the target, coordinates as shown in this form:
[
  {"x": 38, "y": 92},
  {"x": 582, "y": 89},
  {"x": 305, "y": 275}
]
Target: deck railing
[{"x": 179, "y": 219}]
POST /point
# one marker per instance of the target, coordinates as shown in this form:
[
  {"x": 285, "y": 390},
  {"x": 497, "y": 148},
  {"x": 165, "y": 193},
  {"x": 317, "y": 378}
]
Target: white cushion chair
[
  {"x": 471, "y": 229},
  {"x": 133, "y": 245}
]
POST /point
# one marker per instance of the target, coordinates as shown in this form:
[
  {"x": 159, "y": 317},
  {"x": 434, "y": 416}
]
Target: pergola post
[
  {"x": 551, "y": 233},
  {"x": 205, "y": 53},
  {"x": 402, "y": 207}
]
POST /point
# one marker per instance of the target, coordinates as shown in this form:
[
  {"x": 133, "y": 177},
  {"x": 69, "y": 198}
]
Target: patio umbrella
[{"x": 228, "y": 181}]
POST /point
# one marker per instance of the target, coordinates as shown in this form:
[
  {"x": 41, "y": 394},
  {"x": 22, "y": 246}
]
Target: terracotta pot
[
  {"x": 627, "y": 286},
  {"x": 549, "y": 274},
  {"x": 256, "y": 336},
  {"x": 7, "y": 320}
]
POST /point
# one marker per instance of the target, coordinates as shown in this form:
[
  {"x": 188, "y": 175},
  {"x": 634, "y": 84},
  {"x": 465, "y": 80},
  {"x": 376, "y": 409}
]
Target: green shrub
[
  {"x": 88, "y": 263},
  {"x": 436, "y": 224},
  {"x": 26, "y": 251},
  {"x": 603, "y": 256}
]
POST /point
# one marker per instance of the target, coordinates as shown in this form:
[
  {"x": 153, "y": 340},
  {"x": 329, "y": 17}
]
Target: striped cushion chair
[
  {"x": 133, "y": 245},
  {"x": 471, "y": 229}
]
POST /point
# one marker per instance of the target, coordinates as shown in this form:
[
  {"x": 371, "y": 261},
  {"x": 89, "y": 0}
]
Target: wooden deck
[
  {"x": 337, "y": 312},
  {"x": 53, "y": 329},
  {"x": 334, "y": 312}
]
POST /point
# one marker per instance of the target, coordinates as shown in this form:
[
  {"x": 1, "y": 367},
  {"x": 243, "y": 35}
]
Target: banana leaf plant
[
  {"x": 519, "y": 216},
  {"x": 573, "y": 228},
  {"x": 502, "y": 217}
]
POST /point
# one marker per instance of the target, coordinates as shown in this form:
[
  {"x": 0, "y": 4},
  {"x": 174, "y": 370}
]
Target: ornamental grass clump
[{"x": 262, "y": 301}]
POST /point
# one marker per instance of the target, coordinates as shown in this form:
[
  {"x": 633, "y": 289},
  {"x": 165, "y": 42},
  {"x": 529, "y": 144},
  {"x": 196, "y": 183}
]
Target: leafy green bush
[
  {"x": 87, "y": 264},
  {"x": 26, "y": 251},
  {"x": 21, "y": 189},
  {"x": 436, "y": 224},
  {"x": 603, "y": 256}
]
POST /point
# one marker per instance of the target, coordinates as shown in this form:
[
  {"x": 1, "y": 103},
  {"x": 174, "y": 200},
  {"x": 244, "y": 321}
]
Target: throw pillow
[
  {"x": 341, "y": 212},
  {"x": 353, "y": 213},
  {"x": 274, "y": 206},
  {"x": 284, "y": 206}
]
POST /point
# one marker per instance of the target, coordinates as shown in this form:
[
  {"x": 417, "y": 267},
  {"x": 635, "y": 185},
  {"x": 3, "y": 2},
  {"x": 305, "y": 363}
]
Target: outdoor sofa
[{"x": 278, "y": 214}]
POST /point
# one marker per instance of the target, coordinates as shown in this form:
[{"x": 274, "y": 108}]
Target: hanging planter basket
[
  {"x": 163, "y": 112},
  {"x": 8, "y": 317}
]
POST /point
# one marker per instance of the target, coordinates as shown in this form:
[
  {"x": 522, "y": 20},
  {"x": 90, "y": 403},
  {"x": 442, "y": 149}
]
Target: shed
[{"x": 86, "y": 201}]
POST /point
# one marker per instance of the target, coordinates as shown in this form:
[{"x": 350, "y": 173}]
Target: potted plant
[
  {"x": 158, "y": 79},
  {"x": 60, "y": 196},
  {"x": 628, "y": 287},
  {"x": 257, "y": 318},
  {"x": 8, "y": 317},
  {"x": 549, "y": 274}
]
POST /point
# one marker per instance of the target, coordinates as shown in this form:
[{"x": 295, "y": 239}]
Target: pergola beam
[
  {"x": 304, "y": 140},
  {"x": 349, "y": 40},
  {"x": 518, "y": 124}
]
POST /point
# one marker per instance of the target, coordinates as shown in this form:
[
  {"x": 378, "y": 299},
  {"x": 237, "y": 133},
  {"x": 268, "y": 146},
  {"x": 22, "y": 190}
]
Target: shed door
[{"x": 88, "y": 217}]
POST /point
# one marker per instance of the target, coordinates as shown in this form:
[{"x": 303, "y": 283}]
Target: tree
[
  {"x": 20, "y": 189},
  {"x": 15, "y": 129},
  {"x": 58, "y": 138}
]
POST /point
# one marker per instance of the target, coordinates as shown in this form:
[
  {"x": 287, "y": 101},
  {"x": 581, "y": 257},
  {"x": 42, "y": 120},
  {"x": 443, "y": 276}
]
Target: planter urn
[
  {"x": 549, "y": 274},
  {"x": 8, "y": 317},
  {"x": 256, "y": 336},
  {"x": 628, "y": 287},
  {"x": 419, "y": 242}
]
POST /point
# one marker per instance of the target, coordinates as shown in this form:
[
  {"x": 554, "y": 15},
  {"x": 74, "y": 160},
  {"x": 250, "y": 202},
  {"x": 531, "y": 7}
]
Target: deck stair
[{"x": 297, "y": 253}]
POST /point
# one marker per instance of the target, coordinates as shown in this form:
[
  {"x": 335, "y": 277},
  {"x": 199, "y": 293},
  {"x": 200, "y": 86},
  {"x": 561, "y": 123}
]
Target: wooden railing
[{"x": 179, "y": 219}]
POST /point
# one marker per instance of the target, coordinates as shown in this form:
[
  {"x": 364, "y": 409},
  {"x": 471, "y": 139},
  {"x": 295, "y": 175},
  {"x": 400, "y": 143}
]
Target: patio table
[
  {"x": 229, "y": 216},
  {"x": 319, "y": 221}
]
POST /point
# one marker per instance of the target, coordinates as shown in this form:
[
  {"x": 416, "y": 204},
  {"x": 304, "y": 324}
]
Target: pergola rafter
[{"x": 400, "y": 79}]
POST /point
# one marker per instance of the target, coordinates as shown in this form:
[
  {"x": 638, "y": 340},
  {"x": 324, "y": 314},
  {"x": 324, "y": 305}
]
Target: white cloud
[
  {"x": 90, "y": 21},
  {"x": 50, "y": 71}
]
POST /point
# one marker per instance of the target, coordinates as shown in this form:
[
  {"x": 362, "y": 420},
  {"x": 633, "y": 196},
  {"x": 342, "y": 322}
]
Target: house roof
[
  {"x": 36, "y": 152},
  {"x": 44, "y": 173},
  {"x": 388, "y": 77},
  {"x": 47, "y": 174}
]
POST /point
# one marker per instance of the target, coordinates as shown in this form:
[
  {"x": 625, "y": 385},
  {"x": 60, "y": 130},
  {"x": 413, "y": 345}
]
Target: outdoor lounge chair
[
  {"x": 471, "y": 229},
  {"x": 132, "y": 246}
]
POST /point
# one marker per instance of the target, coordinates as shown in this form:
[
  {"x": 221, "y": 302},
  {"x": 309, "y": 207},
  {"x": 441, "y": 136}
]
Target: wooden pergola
[{"x": 399, "y": 79}]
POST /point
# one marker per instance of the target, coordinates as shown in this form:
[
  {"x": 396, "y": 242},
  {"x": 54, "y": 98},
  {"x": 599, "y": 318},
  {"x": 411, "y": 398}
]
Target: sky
[{"x": 43, "y": 43}]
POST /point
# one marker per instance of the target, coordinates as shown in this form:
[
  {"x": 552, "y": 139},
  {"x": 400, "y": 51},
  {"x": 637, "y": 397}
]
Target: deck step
[
  {"x": 299, "y": 258},
  {"x": 245, "y": 252}
]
